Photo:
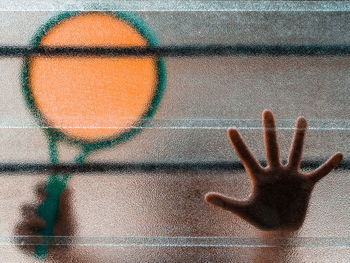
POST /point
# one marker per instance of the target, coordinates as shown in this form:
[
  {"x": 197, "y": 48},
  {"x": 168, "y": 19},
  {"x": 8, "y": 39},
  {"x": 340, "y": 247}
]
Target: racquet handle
[{"x": 48, "y": 210}]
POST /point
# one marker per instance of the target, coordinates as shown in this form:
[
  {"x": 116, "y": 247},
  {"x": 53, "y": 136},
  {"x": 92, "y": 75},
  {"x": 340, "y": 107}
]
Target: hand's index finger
[{"x": 243, "y": 152}]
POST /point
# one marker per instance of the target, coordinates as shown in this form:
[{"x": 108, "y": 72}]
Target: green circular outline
[{"x": 137, "y": 23}]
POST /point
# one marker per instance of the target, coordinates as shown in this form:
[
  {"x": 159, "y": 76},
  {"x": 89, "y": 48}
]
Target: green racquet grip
[{"x": 48, "y": 210}]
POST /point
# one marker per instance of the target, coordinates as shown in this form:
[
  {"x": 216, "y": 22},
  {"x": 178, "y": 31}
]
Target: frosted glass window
[{"x": 142, "y": 200}]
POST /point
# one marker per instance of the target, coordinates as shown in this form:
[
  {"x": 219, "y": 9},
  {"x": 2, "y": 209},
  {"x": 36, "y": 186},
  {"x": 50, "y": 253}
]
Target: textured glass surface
[{"x": 147, "y": 203}]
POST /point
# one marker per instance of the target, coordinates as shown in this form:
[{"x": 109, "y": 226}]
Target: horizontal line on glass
[
  {"x": 178, "y": 51},
  {"x": 34, "y": 168},
  {"x": 159, "y": 5},
  {"x": 182, "y": 241},
  {"x": 183, "y": 124}
]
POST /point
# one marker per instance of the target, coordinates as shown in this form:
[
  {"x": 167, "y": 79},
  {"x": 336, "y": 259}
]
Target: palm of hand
[{"x": 280, "y": 192}]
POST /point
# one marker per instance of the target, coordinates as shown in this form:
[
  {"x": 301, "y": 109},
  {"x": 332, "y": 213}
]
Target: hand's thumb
[{"x": 225, "y": 202}]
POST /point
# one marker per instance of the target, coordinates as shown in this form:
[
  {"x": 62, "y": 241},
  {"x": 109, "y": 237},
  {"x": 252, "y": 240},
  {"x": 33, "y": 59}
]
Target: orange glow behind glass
[{"x": 110, "y": 94}]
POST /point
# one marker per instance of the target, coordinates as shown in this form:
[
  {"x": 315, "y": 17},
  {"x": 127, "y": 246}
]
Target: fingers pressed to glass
[
  {"x": 269, "y": 204},
  {"x": 326, "y": 168},
  {"x": 296, "y": 149},
  {"x": 270, "y": 135},
  {"x": 225, "y": 202},
  {"x": 29, "y": 214},
  {"x": 243, "y": 152},
  {"x": 27, "y": 235},
  {"x": 40, "y": 191}
]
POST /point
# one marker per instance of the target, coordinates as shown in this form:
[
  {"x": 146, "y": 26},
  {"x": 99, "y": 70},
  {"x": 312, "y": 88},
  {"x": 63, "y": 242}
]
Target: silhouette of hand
[
  {"x": 28, "y": 230},
  {"x": 280, "y": 193}
]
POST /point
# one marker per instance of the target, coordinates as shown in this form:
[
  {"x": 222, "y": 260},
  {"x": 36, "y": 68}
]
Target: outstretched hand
[{"x": 280, "y": 192}]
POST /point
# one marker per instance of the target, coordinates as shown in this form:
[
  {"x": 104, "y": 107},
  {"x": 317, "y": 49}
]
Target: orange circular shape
[{"x": 92, "y": 98}]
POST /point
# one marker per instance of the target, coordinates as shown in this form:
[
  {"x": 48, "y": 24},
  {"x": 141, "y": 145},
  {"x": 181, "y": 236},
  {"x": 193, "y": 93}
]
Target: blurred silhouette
[
  {"x": 28, "y": 230},
  {"x": 278, "y": 247},
  {"x": 281, "y": 193}
]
